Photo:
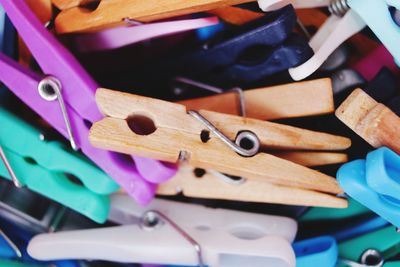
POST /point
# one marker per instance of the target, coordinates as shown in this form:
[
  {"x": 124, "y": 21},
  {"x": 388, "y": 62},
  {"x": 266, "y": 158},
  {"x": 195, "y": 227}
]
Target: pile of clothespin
[{"x": 233, "y": 133}]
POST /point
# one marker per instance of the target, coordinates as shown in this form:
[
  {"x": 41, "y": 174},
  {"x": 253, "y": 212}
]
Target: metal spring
[{"x": 338, "y": 7}]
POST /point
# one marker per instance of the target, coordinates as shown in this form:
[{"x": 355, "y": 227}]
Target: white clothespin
[
  {"x": 168, "y": 232},
  {"x": 270, "y": 5},
  {"x": 341, "y": 25}
]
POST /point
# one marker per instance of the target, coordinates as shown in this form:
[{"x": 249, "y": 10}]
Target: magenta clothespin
[
  {"x": 78, "y": 92},
  {"x": 371, "y": 64},
  {"x": 127, "y": 35}
]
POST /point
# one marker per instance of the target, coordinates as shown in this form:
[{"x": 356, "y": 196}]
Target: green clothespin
[
  {"x": 372, "y": 249},
  {"x": 9, "y": 263},
  {"x": 354, "y": 209},
  {"x": 46, "y": 168}
]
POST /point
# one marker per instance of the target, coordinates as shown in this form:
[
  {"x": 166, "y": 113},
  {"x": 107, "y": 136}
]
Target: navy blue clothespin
[
  {"x": 259, "y": 49},
  {"x": 318, "y": 251}
]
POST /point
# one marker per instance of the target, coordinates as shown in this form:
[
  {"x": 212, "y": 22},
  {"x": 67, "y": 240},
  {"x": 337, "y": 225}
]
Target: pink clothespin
[
  {"x": 136, "y": 32},
  {"x": 371, "y": 64},
  {"x": 65, "y": 97}
]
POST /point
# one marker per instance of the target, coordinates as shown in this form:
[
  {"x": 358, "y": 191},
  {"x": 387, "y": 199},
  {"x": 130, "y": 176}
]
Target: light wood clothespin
[
  {"x": 76, "y": 18},
  {"x": 373, "y": 121},
  {"x": 271, "y": 103},
  {"x": 176, "y": 135},
  {"x": 196, "y": 183},
  {"x": 236, "y": 15}
]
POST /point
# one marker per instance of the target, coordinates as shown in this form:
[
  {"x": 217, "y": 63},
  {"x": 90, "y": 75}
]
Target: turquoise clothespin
[
  {"x": 374, "y": 183},
  {"x": 10, "y": 263},
  {"x": 373, "y": 249},
  {"x": 377, "y": 16},
  {"x": 45, "y": 167},
  {"x": 317, "y": 213}
]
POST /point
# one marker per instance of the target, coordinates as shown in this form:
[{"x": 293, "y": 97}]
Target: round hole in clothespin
[
  {"x": 198, "y": 172},
  {"x": 141, "y": 125},
  {"x": 247, "y": 232}
]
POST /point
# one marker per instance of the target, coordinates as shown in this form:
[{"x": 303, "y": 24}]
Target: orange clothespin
[{"x": 83, "y": 15}]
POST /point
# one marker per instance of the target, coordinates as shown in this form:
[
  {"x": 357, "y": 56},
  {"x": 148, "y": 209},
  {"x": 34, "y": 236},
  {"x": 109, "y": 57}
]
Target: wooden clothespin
[
  {"x": 271, "y": 103},
  {"x": 236, "y": 15},
  {"x": 199, "y": 183},
  {"x": 176, "y": 134},
  {"x": 76, "y": 17},
  {"x": 373, "y": 121}
]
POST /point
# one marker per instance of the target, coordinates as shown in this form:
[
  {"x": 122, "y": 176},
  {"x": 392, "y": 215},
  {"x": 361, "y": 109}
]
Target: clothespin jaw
[
  {"x": 221, "y": 236},
  {"x": 375, "y": 247},
  {"x": 174, "y": 134},
  {"x": 47, "y": 172},
  {"x": 11, "y": 263}
]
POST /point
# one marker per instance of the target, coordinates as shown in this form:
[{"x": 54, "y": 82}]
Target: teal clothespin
[
  {"x": 354, "y": 209},
  {"x": 372, "y": 249},
  {"x": 377, "y": 16},
  {"x": 10, "y": 263},
  {"x": 46, "y": 168}
]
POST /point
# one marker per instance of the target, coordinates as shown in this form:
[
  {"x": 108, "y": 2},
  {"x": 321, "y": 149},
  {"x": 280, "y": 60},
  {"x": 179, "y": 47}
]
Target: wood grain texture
[
  {"x": 65, "y": 4},
  {"x": 112, "y": 12},
  {"x": 173, "y": 116},
  {"x": 374, "y": 122},
  {"x": 277, "y": 102},
  {"x": 311, "y": 159},
  {"x": 177, "y": 131},
  {"x": 211, "y": 187}
]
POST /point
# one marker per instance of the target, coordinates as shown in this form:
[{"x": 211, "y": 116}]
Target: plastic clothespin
[
  {"x": 335, "y": 31},
  {"x": 65, "y": 80},
  {"x": 354, "y": 209},
  {"x": 372, "y": 182},
  {"x": 45, "y": 167},
  {"x": 372, "y": 249},
  {"x": 17, "y": 242},
  {"x": 372, "y": 63},
  {"x": 175, "y": 233},
  {"x": 174, "y": 134},
  {"x": 13, "y": 263},
  {"x": 270, "y": 5},
  {"x": 318, "y": 251},
  {"x": 270, "y": 38},
  {"x": 135, "y": 32},
  {"x": 379, "y": 19}
]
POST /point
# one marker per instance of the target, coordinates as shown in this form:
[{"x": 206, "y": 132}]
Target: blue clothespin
[
  {"x": 377, "y": 15},
  {"x": 262, "y": 48},
  {"x": 46, "y": 168},
  {"x": 372, "y": 182},
  {"x": 319, "y": 251}
]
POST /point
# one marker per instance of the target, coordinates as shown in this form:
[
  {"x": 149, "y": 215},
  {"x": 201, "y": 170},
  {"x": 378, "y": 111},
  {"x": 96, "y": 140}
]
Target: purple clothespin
[
  {"x": 126, "y": 35},
  {"x": 65, "y": 80}
]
